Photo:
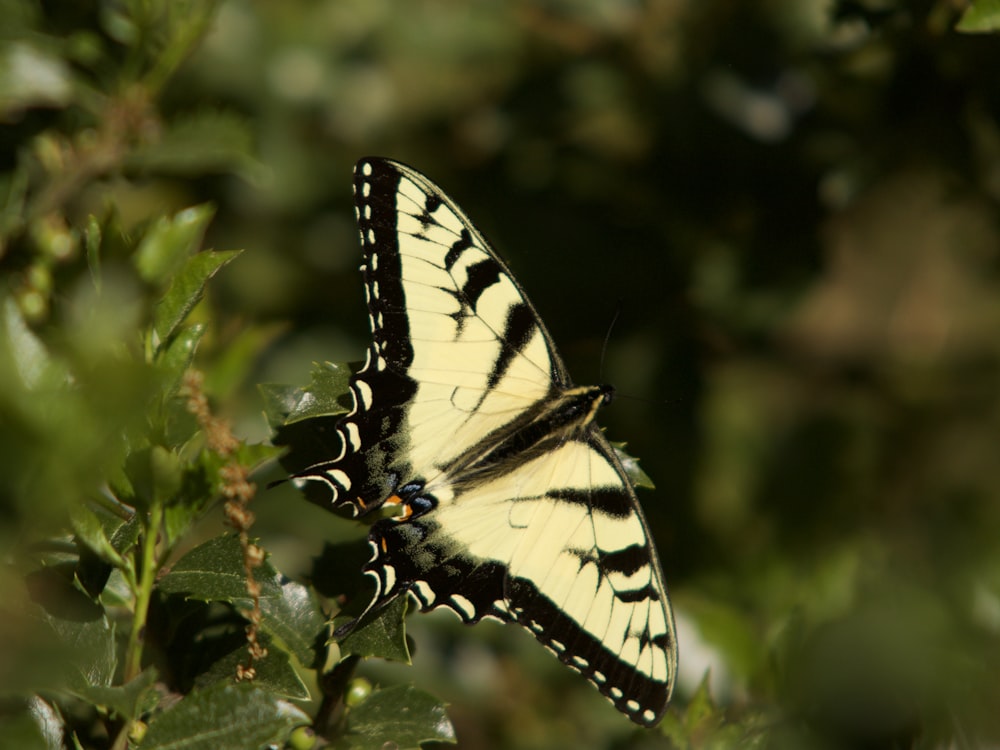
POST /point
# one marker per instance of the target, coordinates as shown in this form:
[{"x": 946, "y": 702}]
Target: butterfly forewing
[{"x": 516, "y": 506}]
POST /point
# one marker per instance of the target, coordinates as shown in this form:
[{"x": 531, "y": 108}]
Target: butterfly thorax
[{"x": 566, "y": 414}]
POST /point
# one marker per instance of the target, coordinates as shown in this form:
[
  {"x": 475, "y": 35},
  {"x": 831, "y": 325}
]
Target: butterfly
[{"x": 512, "y": 504}]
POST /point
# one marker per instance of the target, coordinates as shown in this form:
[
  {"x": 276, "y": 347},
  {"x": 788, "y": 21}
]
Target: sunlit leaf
[
  {"x": 982, "y": 17},
  {"x": 186, "y": 289},
  {"x": 169, "y": 243},
  {"x": 324, "y": 396},
  {"x": 176, "y": 356}
]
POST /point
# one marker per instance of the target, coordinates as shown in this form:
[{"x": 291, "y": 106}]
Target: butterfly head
[{"x": 607, "y": 394}]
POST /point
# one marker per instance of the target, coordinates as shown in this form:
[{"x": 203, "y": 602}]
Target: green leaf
[
  {"x": 255, "y": 454},
  {"x": 279, "y": 401},
  {"x": 209, "y": 141},
  {"x": 90, "y": 530},
  {"x": 982, "y": 17},
  {"x": 126, "y": 535},
  {"x": 401, "y": 717},
  {"x": 36, "y": 726},
  {"x": 304, "y": 420},
  {"x": 129, "y": 701},
  {"x": 328, "y": 387},
  {"x": 275, "y": 672},
  {"x": 27, "y": 353},
  {"x": 175, "y": 358},
  {"x": 297, "y": 619},
  {"x": 156, "y": 474},
  {"x": 195, "y": 493},
  {"x": 224, "y": 717},
  {"x": 383, "y": 636},
  {"x": 31, "y": 76},
  {"x": 93, "y": 643},
  {"x": 214, "y": 572},
  {"x": 633, "y": 471},
  {"x": 323, "y": 396},
  {"x": 186, "y": 290},
  {"x": 169, "y": 242},
  {"x": 84, "y": 637}
]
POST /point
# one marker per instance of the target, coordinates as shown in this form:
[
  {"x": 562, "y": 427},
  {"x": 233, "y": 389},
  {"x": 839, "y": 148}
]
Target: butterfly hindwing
[{"x": 515, "y": 506}]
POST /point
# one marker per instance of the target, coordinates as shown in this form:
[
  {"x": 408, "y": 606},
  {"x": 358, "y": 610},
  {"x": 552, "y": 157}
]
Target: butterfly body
[{"x": 514, "y": 505}]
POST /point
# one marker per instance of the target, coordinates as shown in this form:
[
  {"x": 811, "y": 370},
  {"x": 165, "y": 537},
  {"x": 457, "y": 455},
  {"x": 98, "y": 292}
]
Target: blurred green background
[{"x": 794, "y": 205}]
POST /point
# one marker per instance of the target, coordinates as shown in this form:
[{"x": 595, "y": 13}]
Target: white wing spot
[
  {"x": 364, "y": 392},
  {"x": 371, "y": 236},
  {"x": 598, "y": 677},
  {"x": 336, "y": 475},
  {"x": 557, "y": 645},
  {"x": 368, "y": 210},
  {"x": 648, "y": 715},
  {"x": 580, "y": 662},
  {"x": 366, "y": 170},
  {"x": 463, "y": 606},
  {"x": 424, "y": 592},
  {"x": 373, "y": 259},
  {"x": 632, "y": 705},
  {"x": 353, "y": 435},
  {"x": 389, "y": 573},
  {"x": 615, "y": 693}
]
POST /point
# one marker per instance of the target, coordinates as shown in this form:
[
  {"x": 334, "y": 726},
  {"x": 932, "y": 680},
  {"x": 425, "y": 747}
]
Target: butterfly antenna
[{"x": 607, "y": 336}]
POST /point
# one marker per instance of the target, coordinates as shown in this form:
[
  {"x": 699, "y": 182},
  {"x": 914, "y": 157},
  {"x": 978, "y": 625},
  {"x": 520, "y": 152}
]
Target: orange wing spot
[
  {"x": 407, "y": 512},
  {"x": 393, "y": 500},
  {"x": 385, "y": 547},
  {"x": 362, "y": 503}
]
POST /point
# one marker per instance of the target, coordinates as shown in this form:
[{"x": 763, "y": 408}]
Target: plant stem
[{"x": 147, "y": 575}]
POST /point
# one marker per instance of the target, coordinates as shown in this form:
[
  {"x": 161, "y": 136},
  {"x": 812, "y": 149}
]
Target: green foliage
[
  {"x": 118, "y": 633},
  {"x": 796, "y": 202},
  {"x": 980, "y": 17},
  {"x": 379, "y": 720},
  {"x": 207, "y": 719}
]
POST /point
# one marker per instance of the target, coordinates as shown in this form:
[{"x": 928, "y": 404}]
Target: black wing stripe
[
  {"x": 641, "y": 697},
  {"x": 463, "y": 243},
  {"x": 628, "y": 560},
  {"x": 608, "y": 500}
]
